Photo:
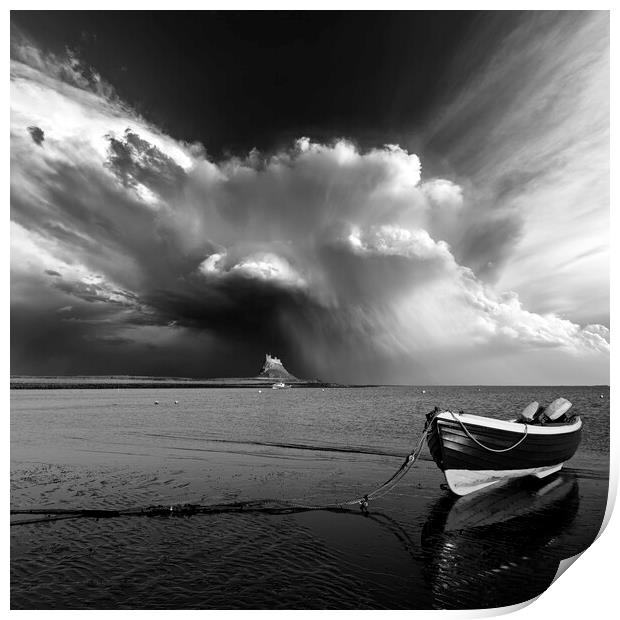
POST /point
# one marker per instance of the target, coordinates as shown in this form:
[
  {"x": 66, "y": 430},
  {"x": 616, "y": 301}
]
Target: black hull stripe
[
  {"x": 540, "y": 445},
  {"x": 476, "y": 461},
  {"x": 524, "y": 448},
  {"x": 520, "y": 455}
]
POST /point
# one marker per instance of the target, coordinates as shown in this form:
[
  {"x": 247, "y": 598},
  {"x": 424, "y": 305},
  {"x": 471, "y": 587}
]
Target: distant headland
[{"x": 272, "y": 370}]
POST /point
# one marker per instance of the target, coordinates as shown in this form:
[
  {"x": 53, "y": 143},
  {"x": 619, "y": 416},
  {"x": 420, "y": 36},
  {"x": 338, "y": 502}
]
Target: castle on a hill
[{"x": 274, "y": 369}]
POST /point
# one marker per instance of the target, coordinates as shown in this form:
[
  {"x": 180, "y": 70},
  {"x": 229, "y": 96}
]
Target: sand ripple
[{"x": 226, "y": 561}]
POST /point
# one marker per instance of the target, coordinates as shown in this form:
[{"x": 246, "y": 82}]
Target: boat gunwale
[{"x": 511, "y": 426}]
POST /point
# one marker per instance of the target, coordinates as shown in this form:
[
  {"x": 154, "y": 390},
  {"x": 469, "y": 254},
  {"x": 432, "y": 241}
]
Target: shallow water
[{"x": 116, "y": 448}]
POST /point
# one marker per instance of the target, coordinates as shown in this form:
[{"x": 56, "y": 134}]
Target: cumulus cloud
[
  {"x": 264, "y": 266},
  {"x": 346, "y": 262},
  {"x": 395, "y": 241},
  {"x": 443, "y": 193}
]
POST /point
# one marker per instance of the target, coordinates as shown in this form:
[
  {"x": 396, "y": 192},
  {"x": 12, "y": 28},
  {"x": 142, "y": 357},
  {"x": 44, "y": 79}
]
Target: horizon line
[{"x": 347, "y": 384}]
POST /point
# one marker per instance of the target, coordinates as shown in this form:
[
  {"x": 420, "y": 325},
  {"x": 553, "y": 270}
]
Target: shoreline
[
  {"x": 91, "y": 383},
  {"x": 52, "y": 382}
]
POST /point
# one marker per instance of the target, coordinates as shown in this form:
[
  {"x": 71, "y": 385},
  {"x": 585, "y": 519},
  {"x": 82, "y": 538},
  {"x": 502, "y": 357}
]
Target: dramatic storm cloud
[
  {"x": 133, "y": 252},
  {"x": 529, "y": 130}
]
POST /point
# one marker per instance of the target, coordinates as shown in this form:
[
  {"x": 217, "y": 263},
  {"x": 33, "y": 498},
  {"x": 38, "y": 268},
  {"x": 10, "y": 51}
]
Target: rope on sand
[{"x": 269, "y": 506}]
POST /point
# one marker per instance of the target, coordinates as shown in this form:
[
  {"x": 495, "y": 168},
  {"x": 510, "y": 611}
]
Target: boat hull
[{"x": 475, "y": 452}]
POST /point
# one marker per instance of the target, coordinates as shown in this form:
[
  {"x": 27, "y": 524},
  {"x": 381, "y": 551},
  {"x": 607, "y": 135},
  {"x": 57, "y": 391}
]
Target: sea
[{"x": 419, "y": 547}]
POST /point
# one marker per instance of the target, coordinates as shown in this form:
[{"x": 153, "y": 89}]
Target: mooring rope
[
  {"x": 487, "y": 447},
  {"x": 409, "y": 462},
  {"x": 270, "y": 506}
]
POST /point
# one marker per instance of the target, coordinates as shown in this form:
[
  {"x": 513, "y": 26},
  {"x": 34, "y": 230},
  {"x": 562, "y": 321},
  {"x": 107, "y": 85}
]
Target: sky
[{"x": 410, "y": 198}]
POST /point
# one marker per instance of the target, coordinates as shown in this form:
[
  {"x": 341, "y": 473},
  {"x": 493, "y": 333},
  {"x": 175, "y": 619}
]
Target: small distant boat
[
  {"x": 280, "y": 386},
  {"x": 475, "y": 452}
]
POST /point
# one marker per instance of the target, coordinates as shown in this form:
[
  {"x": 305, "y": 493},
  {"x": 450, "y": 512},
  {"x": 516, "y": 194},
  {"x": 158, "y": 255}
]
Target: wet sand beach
[{"x": 418, "y": 548}]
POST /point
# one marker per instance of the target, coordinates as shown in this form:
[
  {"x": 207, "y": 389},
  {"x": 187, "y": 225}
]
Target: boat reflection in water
[{"x": 496, "y": 547}]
